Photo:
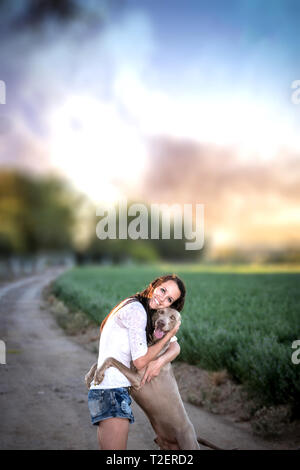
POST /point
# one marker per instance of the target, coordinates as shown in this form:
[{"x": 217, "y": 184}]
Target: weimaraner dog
[{"x": 160, "y": 398}]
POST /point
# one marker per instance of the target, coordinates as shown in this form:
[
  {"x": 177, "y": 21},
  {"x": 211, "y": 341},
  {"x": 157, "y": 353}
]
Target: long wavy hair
[{"x": 144, "y": 296}]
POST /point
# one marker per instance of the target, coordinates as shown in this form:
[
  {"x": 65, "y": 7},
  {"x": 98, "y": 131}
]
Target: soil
[
  {"x": 215, "y": 392},
  {"x": 43, "y": 398}
]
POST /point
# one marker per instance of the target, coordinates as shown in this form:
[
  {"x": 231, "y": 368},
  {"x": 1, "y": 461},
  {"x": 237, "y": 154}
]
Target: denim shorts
[{"x": 109, "y": 403}]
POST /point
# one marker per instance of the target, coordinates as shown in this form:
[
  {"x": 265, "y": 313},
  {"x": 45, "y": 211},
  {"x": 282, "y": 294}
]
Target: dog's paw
[
  {"x": 136, "y": 385},
  {"x": 90, "y": 375},
  {"x": 88, "y": 379},
  {"x": 99, "y": 376}
]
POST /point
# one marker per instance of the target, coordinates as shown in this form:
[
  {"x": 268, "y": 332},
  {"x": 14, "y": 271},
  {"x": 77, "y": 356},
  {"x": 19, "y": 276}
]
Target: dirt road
[{"x": 43, "y": 399}]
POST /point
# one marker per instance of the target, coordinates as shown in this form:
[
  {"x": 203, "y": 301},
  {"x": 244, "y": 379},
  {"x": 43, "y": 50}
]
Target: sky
[{"x": 191, "y": 98}]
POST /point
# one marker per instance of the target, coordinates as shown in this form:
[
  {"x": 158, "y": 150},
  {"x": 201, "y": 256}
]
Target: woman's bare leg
[{"x": 113, "y": 434}]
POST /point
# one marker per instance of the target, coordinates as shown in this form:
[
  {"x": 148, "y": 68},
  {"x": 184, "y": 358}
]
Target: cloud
[
  {"x": 46, "y": 70},
  {"x": 253, "y": 201}
]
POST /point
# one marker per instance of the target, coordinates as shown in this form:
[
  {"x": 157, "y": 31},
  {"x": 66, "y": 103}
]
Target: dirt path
[{"x": 43, "y": 400}]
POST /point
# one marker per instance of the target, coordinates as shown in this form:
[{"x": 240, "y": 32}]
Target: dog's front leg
[
  {"x": 130, "y": 374},
  {"x": 99, "y": 374},
  {"x": 90, "y": 375}
]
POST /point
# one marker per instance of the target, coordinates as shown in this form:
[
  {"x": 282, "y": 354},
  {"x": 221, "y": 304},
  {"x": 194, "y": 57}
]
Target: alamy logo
[
  {"x": 187, "y": 221},
  {"x": 296, "y": 354},
  {"x": 2, "y": 352},
  {"x": 2, "y": 92},
  {"x": 296, "y": 94}
]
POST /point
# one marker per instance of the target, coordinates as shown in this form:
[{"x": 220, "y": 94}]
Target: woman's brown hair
[{"x": 144, "y": 296}]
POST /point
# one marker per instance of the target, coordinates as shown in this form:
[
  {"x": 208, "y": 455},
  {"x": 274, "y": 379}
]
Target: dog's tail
[{"x": 210, "y": 444}]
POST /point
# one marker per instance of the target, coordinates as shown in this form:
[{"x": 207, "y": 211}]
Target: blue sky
[
  {"x": 249, "y": 45},
  {"x": 186, "y": 49}
]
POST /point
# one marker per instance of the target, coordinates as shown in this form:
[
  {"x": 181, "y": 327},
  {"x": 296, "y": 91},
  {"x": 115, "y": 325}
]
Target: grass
[{"x": 239, "y": 318}]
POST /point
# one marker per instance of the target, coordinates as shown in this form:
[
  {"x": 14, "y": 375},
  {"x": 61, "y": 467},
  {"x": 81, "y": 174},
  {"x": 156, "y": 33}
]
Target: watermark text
[
  {"x": 2, "y": 352},
  {"x": 296, "y": 94},
  {"x": 296, "y": 354},
  {"x": 139, "y": 222},
  {"x": 2, "y": 92}
]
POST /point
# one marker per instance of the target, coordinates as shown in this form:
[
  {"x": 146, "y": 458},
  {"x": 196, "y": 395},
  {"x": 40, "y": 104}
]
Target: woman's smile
[{"x": 164, "y": 295}]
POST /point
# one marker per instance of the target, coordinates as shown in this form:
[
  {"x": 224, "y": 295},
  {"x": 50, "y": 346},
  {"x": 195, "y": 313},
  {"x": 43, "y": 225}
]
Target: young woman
[{"x": 124, "y": 335}]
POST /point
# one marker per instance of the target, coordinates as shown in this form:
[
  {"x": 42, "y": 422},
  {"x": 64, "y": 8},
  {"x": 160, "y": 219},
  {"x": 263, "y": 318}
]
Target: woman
[{"x": 124, "y": 335}]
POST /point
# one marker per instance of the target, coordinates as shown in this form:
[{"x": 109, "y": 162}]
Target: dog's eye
[{"x": 172, "y": 317}]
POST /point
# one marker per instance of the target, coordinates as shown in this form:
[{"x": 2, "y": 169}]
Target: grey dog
[{"x": 160, "y": 398}]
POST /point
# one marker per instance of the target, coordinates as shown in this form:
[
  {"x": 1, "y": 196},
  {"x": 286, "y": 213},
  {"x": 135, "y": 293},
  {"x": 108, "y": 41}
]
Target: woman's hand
[
  {"x": 154, "y": 367},
  {"x": 152, "y": 370},
  {"x": 174, "y": 329}
]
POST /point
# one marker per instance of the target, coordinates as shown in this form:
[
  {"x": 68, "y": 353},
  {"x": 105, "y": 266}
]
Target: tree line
[{"x": 42, "y": 214}]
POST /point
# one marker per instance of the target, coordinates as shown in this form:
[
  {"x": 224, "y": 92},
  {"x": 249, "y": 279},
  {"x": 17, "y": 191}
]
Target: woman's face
[{"x": 164, "y": 295}]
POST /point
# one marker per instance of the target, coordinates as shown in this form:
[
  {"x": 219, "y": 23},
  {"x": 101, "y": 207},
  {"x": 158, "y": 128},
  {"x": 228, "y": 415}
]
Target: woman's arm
[
  {"x": 154, "y": 367},
  {"x": 155, "y": 349}
]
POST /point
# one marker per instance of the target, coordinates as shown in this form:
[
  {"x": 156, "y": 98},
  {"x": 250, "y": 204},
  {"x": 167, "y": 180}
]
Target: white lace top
[{"x": 124, "y": 338}]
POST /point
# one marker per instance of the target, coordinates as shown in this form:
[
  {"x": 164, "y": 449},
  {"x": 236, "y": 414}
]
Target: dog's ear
[
  {"x": 154, "y": 317},
  {"x": 175, "y": 312}
]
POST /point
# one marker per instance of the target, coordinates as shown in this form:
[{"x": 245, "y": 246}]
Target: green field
[{"x": 242, "y": 319}]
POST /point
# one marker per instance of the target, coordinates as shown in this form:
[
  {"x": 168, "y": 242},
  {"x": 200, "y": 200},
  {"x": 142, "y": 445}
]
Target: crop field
[{"x": 240, "y": 319}]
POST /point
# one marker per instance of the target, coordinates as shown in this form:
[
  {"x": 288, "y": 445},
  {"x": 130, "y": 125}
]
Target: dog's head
[{"x": 163, "y": 320}]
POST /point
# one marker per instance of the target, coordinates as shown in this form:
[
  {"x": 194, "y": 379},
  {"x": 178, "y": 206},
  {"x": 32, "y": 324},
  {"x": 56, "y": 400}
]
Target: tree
[{"x": 35, "y": 213}]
